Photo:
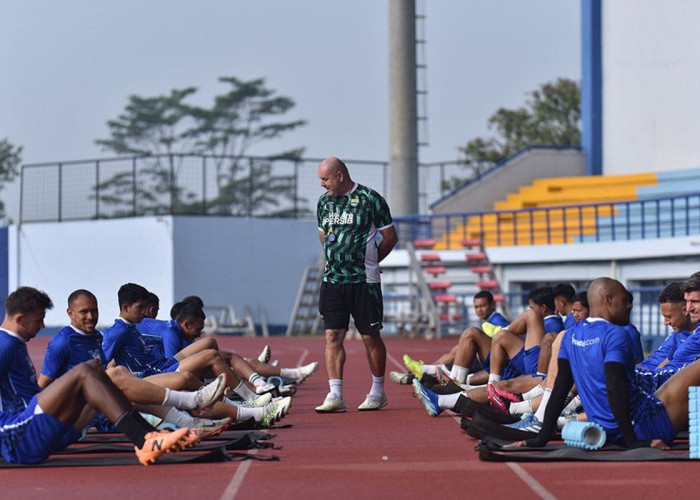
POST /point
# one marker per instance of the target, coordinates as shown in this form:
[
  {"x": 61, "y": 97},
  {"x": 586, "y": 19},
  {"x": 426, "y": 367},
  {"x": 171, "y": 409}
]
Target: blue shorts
[
  {"x": 649, "y": 382},
  {"x": 650, "y": 421},
  {"x": 165, "y": 365},
  {"x": 509, "y": 371},
  {"x": 31, "y": 436},
  {"x": 526, "y": 361}
]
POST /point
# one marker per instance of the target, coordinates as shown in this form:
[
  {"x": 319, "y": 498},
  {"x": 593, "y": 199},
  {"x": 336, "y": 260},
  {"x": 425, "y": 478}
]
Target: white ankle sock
[
  {"x": 377, "y": 388},
  {"x": 521, "y": 407},
  {"x": 184, "y": 400},
  {"x": 538, "y": 390},
  {"x": 336, "y": 386},
  {"x": 290, "y": 373},
  {"x": 245, "y": 393},
  {"x": 494, "y": 378},
  {"x": 447, "y": 401},
  {"x": 244, "y": 413},
  {"x": 543, "y": 405},
  {"x": 459, "y": 373},
  {"x": 179, "y": 417},
  {"x": 429, "y": 369}
]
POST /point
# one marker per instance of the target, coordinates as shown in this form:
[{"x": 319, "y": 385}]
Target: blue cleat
[
  {"x": 530, "y": 424},
  {"x": 428, "y": 398}
]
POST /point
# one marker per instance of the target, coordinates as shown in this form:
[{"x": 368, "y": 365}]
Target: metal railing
[
  {"x": 592, "y": 222},
  {"x": 199, "y": 185}
]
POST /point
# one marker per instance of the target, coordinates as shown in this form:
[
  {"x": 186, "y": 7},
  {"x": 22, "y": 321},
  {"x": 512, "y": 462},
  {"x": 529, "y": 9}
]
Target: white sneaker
[
  {"x": 274, "y": 412},
  {"x": 205, "y": 427},
  {"x": 258, "y": 402},
  {"x": 264, "y": 356},
  {"x": 210, "y": 393},
  {"x": 331, "y": 405},
  {"x": 287, "y": 390},
  {"x": 264, "y": 387},
  {"x": 373, "y": 403}
]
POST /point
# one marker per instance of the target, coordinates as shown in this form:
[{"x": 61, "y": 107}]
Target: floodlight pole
[{"x": 403, "y": 123}]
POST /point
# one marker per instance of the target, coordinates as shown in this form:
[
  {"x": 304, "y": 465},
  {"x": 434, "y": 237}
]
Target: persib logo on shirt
[{"x": 339, "y": 219}]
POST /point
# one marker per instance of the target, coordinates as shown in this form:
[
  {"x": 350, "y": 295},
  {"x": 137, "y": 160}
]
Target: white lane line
[
  {"x": 531, "y": 481},
  {"x": 302, "y": 357},
  {"x": 396, "y": 363},
  {"x": 237, "y": 480}
]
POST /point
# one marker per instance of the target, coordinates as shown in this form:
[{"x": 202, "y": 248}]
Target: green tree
[
  {"x": 167, "y": 129},
  {"x": 10, "y": 158},
  {"x": 551, "y": 117}
]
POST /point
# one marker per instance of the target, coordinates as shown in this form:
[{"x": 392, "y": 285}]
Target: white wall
[
  {"x": 651, "y": 85},
  {"x": 244, "y": 262},
  {"x": 97, "y": 255},
  {"x": 226, "y": 260}
]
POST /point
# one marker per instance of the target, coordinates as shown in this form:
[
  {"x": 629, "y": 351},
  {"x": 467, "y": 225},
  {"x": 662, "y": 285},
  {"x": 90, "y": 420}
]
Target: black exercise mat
[
  {"x": 227, "y": 435},
  {"x": 490, "y": 450},
  {"x": 242, "y": 443}
]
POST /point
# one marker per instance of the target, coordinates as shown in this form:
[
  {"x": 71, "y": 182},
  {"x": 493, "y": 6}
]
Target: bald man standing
[{"x": 350, "y": 217}]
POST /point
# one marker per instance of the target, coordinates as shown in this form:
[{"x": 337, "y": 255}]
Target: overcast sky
[{"x": 67, "y": 67}]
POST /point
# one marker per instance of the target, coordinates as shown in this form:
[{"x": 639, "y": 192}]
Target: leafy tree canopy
[
  {"x": 10, "y": 158},
  {"x": 246, "y": 114},
  {"x": 550, "y": 117}
]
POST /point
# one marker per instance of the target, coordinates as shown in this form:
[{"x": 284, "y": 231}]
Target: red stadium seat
[
  {"x": 430, "y": 257},
  {"x": 425, "y": 243}
]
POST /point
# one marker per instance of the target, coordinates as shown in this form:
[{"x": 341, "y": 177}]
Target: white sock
[
  {"x": 494, "y": 378},
  {"x": 184, "y": 400},
  {"x": 521, "y": 407},
  {"x": 573, "y": 404},
  {"x": 336, "y": 386},
  {"x": 539, "y": 414},
  {"x": 179, "y": 417},
  {"x": 538, "y": 390},
  {"x": 444, "y": 369},
  {"x": 256, "y": 379},
  {"x": 377, "y": 386},
  {"x": 244, "y": 413},
  {"x": 447, "y": 401},
  {"x": 290, "y": 373},
  {"x": 429, "y": 369},
  {"x": 459, "y": 373},
  {"x": 245, "y": 393}
]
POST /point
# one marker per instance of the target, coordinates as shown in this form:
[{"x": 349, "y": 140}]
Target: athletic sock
[
  {"x": 520, "y": 407},
  {"x": 244, "y": 413},
  {"x": 460, "y": 405},
  {"x": 179, "y": 418},
  {"x": 184, "y": 400},
  {"x": 336, "y": 387},
  {"x": 539, "y": 414},
  {"x": 243, "y": 391},
  {"x": 494, "y": 378},
  {"x": 448, "y": 401},
  {"x": 574, "y": 403},
  {"x": 460, "y": 374},
  {"x": 538, "y": 390},
  {"x": 134, "y": 426},
  {"x": 290, "y": 373},
  {"x": 429, "y": 369},
  {"x": 257, "y": 380},
  {"x": 377, "y": 388}
]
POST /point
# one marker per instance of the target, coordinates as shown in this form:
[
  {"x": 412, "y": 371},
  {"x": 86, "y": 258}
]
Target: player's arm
[
  {"x": 321, "y": 236},
  {"x": 616, "y": 384},
  {"x": 44, "y": 381},
  {"x": 113, "y": 343},
  {"x": 55, "y": 362},
  {"x": 562, "y": 386},
  {"x": 389, "y": 240}
]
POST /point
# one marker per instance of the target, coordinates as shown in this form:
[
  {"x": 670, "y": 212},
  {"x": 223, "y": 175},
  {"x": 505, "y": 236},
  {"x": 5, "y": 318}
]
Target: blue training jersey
[
  {"x": 553, "y": 324},
  {"x": 636, "y": 338},
  {"x": 125, "y": 344},
  {"x": 686, "y": 353},
  {"x": 70, "y": 347},
  {"x": 587, "y": 347},
  {"x": 667, "y": 350},
  {"x": 169, "y": 332},
  {"x": 18, "y": 382},
  {"x": 496, "y": 318},
  {"x": 569, "y": 321}
]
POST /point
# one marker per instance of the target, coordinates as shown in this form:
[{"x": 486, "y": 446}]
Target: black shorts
[{"x": 363, "y": 300}]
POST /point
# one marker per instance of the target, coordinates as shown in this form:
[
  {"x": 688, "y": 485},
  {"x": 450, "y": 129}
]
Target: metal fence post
[
  {"x": 97, "y": 189},
  {"x": 60, "y": 191}
]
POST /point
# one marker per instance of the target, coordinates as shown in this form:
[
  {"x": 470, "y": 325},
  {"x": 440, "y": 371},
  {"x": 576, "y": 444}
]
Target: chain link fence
[{"x": 199, "y": 185}]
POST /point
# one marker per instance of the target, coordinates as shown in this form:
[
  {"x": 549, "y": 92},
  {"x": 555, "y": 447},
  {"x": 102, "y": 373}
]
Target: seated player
[
  {"x": 491, "y": 322},
  {"x": 563, "y": 302},
  {"x": 35, "y": 423},
  {"x": 159, "y": 394},
  {"x": 186, "y": 327},
  {"x": 597, "y": 355}
]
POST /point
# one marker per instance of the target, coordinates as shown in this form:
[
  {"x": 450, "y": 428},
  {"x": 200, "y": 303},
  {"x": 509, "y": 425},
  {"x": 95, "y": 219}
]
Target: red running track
[{"x": 398, "y": 452}]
